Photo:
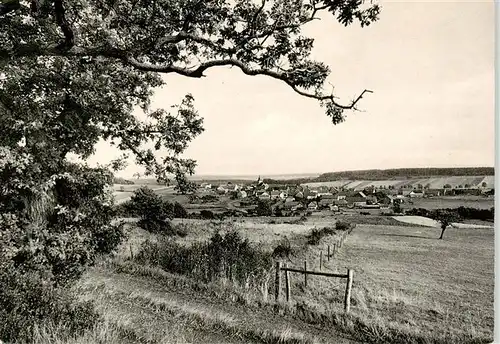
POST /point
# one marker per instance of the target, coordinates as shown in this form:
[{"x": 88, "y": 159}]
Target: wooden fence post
[
  {"x": 328, "y": 255},
  {"x": 347, "y": 301},
  {"x": 321, "y": 260},
  {"x": 305, "y": 273},
  {"x": 287, "y": 283},
  {"x": 277, "y": 284},
  {"x": 131, "y": 252}
]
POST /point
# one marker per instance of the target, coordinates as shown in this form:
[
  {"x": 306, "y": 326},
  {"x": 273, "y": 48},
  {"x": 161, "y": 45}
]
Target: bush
[
  {"x": 61, "y": 232},
  {"x": 342, "y": 225},
  {"x": 28, "y": 300},
  {"x": 396, "y": 207},
  {"x": 209, "y": 199},
  {"x": 316, "y": 234},
  {"x": 179, "y": 211},
  {"x": 207, "y": 215},
  {"x": 154, "y": 213},
  {"x": 52, "y": 226},
  {"x": 264, "y": 208},
  {"x": 283, "y": 250},
  {"x": 223, "y": 256},
  {"x": 125, "y": 209}
]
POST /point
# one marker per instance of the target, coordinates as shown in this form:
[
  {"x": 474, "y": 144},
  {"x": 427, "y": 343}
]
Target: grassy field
[
  {"x": 451, "y": 202},
  {"x": 409, "y": 287},
  {"x": 405, "y": 276}
]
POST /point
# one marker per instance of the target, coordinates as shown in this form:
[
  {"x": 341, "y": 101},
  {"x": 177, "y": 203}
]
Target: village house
[
  {"x": 275, "y": 194},
  {"x": 371, "y": 199},
  {"x": 222, "y": 190},
  {"x": 417, "y": 194},
  {"x": 323, "y": 194},
  {"x": 334, "y": 190},
  {"x": 356, "y": 198},
  {"x": 325, "y": 203},
  {"x": 264, "y": 195},
  {"x": 328, "y": 195},
  {"x": 384, "y": 199},
  {"x": 292, "y": 206},
  {"x": 299, "y": 195},
  {"x": 312, "y": 206},
  {"x": 341, "y": 195},
  {"x": 341, "y": 202},
  {"x": 334, "y": 208},
  {"x": 283, "y": 195}
]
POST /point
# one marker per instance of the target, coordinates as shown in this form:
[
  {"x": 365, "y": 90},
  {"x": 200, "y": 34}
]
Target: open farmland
[
  {"x": 404, "y": 275},
  {"x": 451, "y": 202},
  {"x": 452, "y": 182},
  {"x": 408, "y": 286}
]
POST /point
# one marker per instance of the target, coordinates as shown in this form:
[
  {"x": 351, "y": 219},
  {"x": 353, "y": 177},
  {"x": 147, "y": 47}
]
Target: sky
[{"x": 429, "y": 64}]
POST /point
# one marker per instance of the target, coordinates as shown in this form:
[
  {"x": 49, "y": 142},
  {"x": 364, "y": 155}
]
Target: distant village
[{"x": 346, "y": 193}]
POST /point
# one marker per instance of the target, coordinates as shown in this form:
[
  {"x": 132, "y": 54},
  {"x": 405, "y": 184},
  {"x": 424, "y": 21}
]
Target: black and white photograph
[{"x": 247, "y": 171}]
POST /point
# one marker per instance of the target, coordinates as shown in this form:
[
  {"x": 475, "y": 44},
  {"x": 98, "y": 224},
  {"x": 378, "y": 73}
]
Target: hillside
[
  {"x": 366, "y": 175},
  {"x": 407, "y": 173}
]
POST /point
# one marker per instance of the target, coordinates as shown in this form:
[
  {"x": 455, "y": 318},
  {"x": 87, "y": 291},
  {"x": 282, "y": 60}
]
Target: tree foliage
[
  {"x": 445, "y": 219},
  {"x": 264, "y": 208},
  {"x": 155, "y": 213},
  {"x": 73, "y": 73},
  {"x": 168, "y": 36},
  {"x": 56, "y": 227}
]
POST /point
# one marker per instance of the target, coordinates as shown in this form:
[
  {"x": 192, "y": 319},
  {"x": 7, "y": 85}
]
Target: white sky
[{"x": 430, "y": 65}]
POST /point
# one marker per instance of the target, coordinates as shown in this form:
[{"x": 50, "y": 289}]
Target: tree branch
[
  {"x": 256, "y": 15},
  {"x": 198, "y": 73},
  {"x": 60, "y": 14},
  {"x": 183, "y": 35}
]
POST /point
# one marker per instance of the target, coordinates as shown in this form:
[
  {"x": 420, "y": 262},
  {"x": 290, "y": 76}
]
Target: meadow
[
  {"x": 451, "y": 202},
  {"x": 408, "y": 287}
]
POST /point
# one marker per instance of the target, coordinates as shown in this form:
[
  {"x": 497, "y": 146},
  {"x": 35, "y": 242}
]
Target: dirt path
[{"x": 139, "y": 297}]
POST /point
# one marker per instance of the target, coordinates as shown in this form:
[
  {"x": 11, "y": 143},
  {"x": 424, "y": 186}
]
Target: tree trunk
[{"x": 442, "y": 232}]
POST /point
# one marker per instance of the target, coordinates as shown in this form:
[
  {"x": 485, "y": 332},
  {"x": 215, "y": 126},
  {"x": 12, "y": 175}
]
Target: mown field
[{"x": 406, "y": 277}]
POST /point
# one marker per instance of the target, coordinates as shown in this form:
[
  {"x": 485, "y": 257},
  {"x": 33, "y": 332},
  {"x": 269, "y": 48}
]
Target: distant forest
[{"x": 399, "y": 173}]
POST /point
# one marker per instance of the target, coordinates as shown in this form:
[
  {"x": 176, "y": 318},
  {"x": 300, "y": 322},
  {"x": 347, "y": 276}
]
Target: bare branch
[{"x": 198, "y": 73}]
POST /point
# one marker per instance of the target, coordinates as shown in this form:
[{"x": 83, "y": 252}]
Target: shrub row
[
  {"x": 223, "y": 256},
  {"x": 461, "y": 212}
]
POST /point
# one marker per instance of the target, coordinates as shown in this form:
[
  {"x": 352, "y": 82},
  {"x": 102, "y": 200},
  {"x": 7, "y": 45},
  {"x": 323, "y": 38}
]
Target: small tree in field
[
  {"x": 396, "y": 206},
  {"x": 264, "y": 208},
  {"x": 154, "y": 212},
  {"x": 445, "y": 218}
]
